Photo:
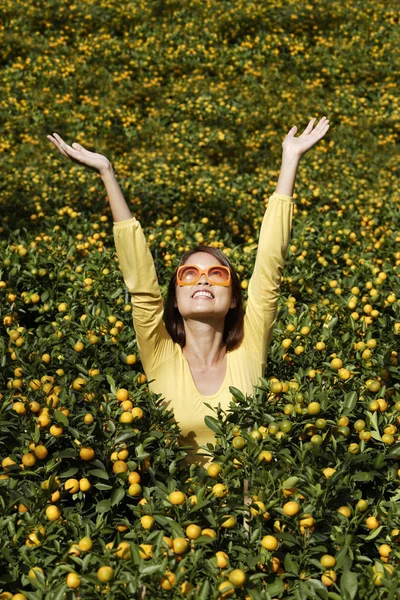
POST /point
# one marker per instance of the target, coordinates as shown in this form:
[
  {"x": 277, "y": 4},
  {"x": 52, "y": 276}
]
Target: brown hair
[{"x": 233, "y": 326}]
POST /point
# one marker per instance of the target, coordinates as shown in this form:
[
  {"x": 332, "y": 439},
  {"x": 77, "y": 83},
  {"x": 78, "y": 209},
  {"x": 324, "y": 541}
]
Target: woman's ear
[{"x": 233, "y": 303}]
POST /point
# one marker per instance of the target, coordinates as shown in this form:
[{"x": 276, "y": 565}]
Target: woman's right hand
[{"x": 81, "y": 156}]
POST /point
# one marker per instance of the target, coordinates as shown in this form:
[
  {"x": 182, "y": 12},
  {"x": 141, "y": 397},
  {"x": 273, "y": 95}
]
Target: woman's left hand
[{"x": 297, "y": 146}]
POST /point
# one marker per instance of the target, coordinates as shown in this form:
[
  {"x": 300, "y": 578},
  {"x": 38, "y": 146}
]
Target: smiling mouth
[{"x": 203, "y": 294}]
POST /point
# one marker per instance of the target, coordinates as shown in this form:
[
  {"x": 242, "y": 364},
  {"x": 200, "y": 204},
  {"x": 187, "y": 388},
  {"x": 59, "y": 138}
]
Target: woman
[{"x": 207, "y": 342}]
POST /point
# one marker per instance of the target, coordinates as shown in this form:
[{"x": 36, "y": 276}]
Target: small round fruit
[
  {"x": 105, "y": 574},
  {"x": 291, "y": 508},
  {"x": 85, "y": 544},
  {"x": 237, "y": 577},
  {"x": 327, "y": 561},
  {"x": 73, "y": 580},
  {"x": 372, "y": 522},
  {"x": 193, "y": 531},
  {"x": 53, "y": 512},
  {"x": 177, "y": 497},
  {"x": 269, "y": 542}
]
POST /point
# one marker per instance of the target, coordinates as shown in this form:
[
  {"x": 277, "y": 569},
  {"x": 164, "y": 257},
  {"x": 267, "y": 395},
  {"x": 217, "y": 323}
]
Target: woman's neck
[{"x": 204, "y": 346}]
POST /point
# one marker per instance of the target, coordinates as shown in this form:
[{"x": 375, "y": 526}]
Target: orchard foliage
[{"x": 190, "y": 103}]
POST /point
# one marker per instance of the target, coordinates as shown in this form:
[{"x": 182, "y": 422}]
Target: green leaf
[
  {"x": 374, "y": 534},
  {"x": 275, "y": 588},
  {"x": 204, "y": 592},
  {"x": 117, "y": 496},
  {"x": 348, "y": 585},
  {"x": 289, "y": 483},
  {"x": 101, "y": 473},
  {"x": 349, "y": 403},
  {"x": 61, "y": 418},
  {"x": 291, "y": 566},
  {"x": 212, "y": 424},
  {"x": 103, "y": 506}
]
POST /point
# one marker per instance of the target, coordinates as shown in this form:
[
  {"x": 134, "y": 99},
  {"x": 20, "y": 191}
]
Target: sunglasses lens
[
  {"x": 189, "y": 274},
  {"x": 218, "y": 274}
]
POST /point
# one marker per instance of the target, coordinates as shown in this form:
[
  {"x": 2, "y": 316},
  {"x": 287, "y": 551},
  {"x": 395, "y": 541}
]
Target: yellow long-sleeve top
[{"x": 163, "y": 360}]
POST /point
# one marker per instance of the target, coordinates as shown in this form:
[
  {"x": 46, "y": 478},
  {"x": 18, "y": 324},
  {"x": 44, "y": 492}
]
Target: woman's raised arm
[
  {"x": 293, "y": 149},
  {"x": 264, "y": 285},
  {"x": 100, "y": 164}
]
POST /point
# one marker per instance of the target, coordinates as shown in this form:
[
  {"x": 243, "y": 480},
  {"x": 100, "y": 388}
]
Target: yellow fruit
[
  {"x": 105, "y": 574},
  {"x": 329, "y": 578},
  {"x": 120, "y": 467},
  {"x": 79, "y": 383},
  {"x": 193, "y": 531},
  {"x": 229, "y": 522},
  {"x": 73, "y": 580},
  {"x": 146, "y": 551},
  {"x": 34, "y": 572},
  {"x": 168, "y": 580},
  {"x": 222, "y": 559},
  {"x": 362, "y": 505},
  {"x": 384, "y": 550},
  {"x": 345, "y": 511},
  {"x": 265, "y": 456},
  {"x": 85, "y": 544},
  {"x": 177, "y": 497},
  {"x": 135, "y": 489},
  {"x": 126, "y": 417},
  {"x": 219, "y": 490},
  {"x": 28, "y": 459},
  {"x": 123, "y": 550},
  {"x": 131, "y": 359},
  {"x": 237, "y": 577},
  {"x": 84, "y": 484},
  {"x": 147, "y": 521},
  {"x": 179, "y": 545},
  {"x": 86, "y": 453},
  {"x": 336, "y": 364},
  {"x": 291, "y": 508},
  {"x": 122, "y": 394},
  {"x": 314, "y": 408},
  {"x": 134, "y": 477},
  {"x": 137, "y": 413},
  {"x": 372, "y": 522},
  {"x": 213, "y": 470},
  {"x": 209, "y": 532},
  {"x": 269, "y": 542},
  {"x": 53, "y": 512},
  {"x": 72, "y": 486},
  {"x": 328, "y": 472},
  {"x": 226, "y": 589},
  {"x": 327, "y": 561}
]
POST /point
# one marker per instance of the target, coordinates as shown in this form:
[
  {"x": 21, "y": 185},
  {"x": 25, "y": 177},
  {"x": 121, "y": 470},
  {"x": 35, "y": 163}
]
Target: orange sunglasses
[{"x": 191, "y": 274}]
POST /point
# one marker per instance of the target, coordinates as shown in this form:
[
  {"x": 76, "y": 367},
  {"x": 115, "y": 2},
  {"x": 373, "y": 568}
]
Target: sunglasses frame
[{"x": 203, "y": 272}]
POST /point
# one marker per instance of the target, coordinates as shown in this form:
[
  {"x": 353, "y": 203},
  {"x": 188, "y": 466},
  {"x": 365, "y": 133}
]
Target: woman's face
[{"x": 193, "y": 305}]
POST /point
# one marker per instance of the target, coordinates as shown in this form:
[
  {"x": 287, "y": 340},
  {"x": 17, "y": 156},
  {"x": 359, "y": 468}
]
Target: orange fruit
[
  {"x": 222, "y": 559},
  {"x": 71, "y": 486},
  {"x": 327, "y": 561},
  {"x": 146, "y": 551},
  {"x": 193, "y": 531},
  {"x": 229, "y": 522},
  {"x": 345, "y": 511},
  {"x": 219, "y": 490},
  {"x": 269, "y": 542},
  {"x": 168, "y": 580},
  {"x": 372, "y": 522},
  {"x": 53, "y": 512},
  {"x": 105, "y": 574},
  {"x": 135, "y": 489},
  {"x": 237, "y": 577},
  {"x": 265, "y": 456},
  {"x": 329, "y": 578},
  {"x": 226, "y": 589},
  {"x": 84, "y": 484},
  {"x": 120, "y": 467},
  {"x": 122, "y": 394},
  {"x": 179, "y": 545},
  {"x": 147, "y": 521},
  {"x": 85, "y": 544},
  {"x": 86, "y": 453},
  {"x": 384, "y": 550},
  {"x": 291, "y": 508},
  {"x": 123, "y": 550},
  {"x": 73, "y": 580},
  {"x": 177, "y": 497},
  {"x": 213, "y": 470}
]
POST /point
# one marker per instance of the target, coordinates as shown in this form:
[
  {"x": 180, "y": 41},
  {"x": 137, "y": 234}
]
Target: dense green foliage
[{"x": 190, "y": 102}]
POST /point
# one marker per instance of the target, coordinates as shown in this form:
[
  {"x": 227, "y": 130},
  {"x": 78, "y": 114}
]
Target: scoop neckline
[{"x": 194, "y": 383}]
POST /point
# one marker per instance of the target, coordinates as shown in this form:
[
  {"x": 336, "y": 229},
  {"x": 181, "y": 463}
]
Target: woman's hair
[{"x": 233, "y": 326}]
